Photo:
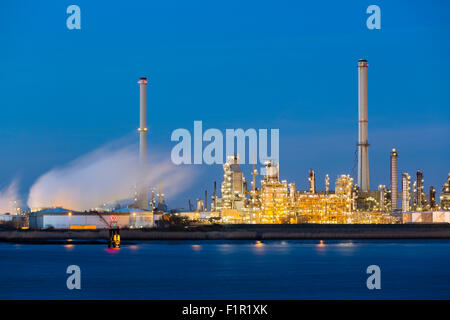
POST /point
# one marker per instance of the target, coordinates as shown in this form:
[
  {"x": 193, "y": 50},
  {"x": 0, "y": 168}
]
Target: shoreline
[{"x": 242, "y": 232}]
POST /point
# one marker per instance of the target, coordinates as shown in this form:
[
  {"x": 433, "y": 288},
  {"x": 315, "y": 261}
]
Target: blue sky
[{"x": 232, "y": 64}]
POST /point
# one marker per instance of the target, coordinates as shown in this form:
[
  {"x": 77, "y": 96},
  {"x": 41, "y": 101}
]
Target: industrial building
[{"x": 60, "y": 218}]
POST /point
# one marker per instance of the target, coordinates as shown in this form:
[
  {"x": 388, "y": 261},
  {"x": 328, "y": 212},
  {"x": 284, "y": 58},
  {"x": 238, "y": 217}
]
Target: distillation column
[
  {"x": 406, "y": 187},
  {"x": 394, "y": 180}
]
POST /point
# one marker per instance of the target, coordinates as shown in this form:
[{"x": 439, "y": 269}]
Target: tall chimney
[
  {"x": 363, "y": 137},
  {"x": 142, "y": 187},
  {"x": 394, "y": 180}
]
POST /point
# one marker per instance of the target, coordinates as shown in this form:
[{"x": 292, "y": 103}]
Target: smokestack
[
  {"x": 142, "y": 189},
  {"x": 394, "y": 180},
  {"x": 363, "y": 136}
]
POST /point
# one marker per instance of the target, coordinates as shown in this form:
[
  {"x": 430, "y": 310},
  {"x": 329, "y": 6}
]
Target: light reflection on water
[
  {"x": 112, "y": 250},
  {"x": 288, "y": 269}
]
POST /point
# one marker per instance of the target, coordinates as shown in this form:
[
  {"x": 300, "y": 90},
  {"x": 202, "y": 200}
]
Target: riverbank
[{"x": 243, "y": 232}]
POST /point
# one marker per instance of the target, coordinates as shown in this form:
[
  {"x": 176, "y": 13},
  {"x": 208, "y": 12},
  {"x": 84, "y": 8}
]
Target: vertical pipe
[
  {"x": 432, "y": 196},
  {"x": 214, "y": 197},
  {"x": 312, "y": 181},
  {"x": 394, "y": 180},
  {"x": 419, "y": 190},
  {"x": 363, "y": 138},
  {"x": 142, "y": 188}
]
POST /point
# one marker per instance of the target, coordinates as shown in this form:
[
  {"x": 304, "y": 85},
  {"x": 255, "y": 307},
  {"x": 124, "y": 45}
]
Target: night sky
[{"x": 289, "y": 65}]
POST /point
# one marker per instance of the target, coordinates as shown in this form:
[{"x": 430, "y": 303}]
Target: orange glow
[{"x": 83, "y": 227}]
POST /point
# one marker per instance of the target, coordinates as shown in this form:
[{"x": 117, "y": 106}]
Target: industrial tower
[
  {"x": 394, "y": 180},
  {"x": 363, "y": 138},
  {"x": 142, "y": 198}
]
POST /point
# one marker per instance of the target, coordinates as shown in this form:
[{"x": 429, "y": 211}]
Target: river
[{"x": 294, "y": 269}]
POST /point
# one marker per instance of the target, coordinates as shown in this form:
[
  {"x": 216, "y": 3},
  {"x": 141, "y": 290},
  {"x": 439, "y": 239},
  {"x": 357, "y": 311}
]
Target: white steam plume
[
  {"x": 105, "y": 175},
  {"x": 8, "y": 196}
]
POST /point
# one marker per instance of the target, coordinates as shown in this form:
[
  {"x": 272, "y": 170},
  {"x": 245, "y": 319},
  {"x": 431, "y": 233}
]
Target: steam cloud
[
  {"x": 7, "y": 197},
  {"x": 104, "y": 176}
]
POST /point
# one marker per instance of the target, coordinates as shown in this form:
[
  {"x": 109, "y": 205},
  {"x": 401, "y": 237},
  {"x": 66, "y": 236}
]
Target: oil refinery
[
  {"x": 274, "y": 201},
  {"x": 277, "y": 201}
]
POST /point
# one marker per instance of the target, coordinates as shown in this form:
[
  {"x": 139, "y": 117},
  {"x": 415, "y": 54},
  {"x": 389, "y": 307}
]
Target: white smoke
[
  {"x": 8, "y": 196},
  {"x": 105, "y": 175}
]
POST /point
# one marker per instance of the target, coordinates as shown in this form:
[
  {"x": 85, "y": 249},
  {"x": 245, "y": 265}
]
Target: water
[{"x": 410, "y": 269}]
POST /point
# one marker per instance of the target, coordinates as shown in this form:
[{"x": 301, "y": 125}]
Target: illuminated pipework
[
  {"x": 274, "y": 196},
  {"x": 292, "y": 192},
  {"x": 233, "y": 185},
  {"x": 312, "y": 181},
  {"x": 279, "y": 202},
  {"x": 418, "y": 192},
  {"x": 382, "y": 190},
  {"x": 445, "y": 195},
  {"x": 406, "y": 194},
  {"x": 432, "y": 200}
]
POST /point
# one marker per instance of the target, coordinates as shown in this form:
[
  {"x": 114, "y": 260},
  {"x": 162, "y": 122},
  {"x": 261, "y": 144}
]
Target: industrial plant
[
  {"x": 273, "y": 200},
  {"x": 135, "y": 215},
  {"x": 277, "y": 201}
]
